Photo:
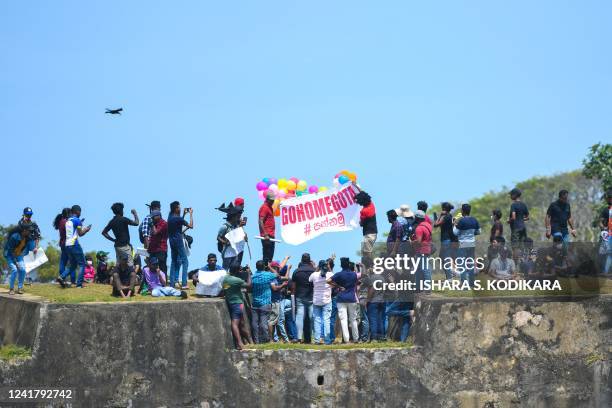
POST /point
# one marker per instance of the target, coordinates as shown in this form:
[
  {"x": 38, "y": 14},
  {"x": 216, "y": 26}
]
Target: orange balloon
[
  {"x": 277, "y": 212},
  {"x": 352, "y": 177},
  {"x": 345, "y": 172}
]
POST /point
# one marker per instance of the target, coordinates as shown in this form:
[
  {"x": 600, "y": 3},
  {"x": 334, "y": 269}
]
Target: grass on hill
[
  {"x": 335, "y": 346},
  {"x": 11, "y": 352}
]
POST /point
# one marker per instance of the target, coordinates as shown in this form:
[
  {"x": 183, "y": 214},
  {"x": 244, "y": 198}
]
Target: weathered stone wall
[{"x": 493, "y": 353}]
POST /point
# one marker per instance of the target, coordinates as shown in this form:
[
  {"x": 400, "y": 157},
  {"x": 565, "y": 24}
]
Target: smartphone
[{"x": 245, "y": 220}]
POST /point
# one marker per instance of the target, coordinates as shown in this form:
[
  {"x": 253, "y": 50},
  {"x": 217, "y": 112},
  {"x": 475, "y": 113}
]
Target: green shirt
[{"x": 232, "y": 286}]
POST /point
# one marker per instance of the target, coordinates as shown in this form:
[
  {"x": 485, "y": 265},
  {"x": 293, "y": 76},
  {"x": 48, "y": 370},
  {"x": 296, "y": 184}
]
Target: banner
[
  {"x": 306, "y": 217},
  {"x": 33, "y": 261}
]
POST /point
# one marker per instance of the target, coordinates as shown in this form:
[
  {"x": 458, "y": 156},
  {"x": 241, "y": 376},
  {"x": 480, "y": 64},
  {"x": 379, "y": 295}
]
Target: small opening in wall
[{"x": 320, "y": 379}]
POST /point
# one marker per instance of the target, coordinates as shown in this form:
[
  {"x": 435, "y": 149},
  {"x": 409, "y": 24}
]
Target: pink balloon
[
  {"x": 294, "y": 179},
  {"x": 261, "y": 195},
  {"x": 313, "y": 189},
  {"x": 261, "y": 186}
]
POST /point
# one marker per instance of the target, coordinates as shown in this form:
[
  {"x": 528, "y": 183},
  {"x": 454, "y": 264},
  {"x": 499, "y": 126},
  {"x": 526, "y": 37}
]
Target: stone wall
[{"x": 493, "y": 353}]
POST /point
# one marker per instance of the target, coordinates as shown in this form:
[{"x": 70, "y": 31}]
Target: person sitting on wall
[
  {"x": 156, "y": 281},
  {"x": 503, "y": 267},
  {"x": 124, "y": 278}
]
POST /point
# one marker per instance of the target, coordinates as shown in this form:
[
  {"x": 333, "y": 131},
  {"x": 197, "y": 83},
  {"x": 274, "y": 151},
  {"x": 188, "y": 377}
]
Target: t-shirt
[
  {"x": 396, "y": 232},
  {"x": 124, "y": 274},
  {"x": 303, "y": 286},
  {"x": 466, "y": 230},
  {"x": 446, "y": 229},
  {"x": 175, "y": 229},
  {"x": 521, "y": 211},
  {"x": 73, "y": 225},
  {"x": 503, "y": 269},
  {"x": 348, "y": 280},
  {"x": 266, "y": 212},
  {"x": 262, "y": 291},
  {"x": 227, "y": 250},
  {"x": 152, "y": 278},
  {"x": 232, "y": 286},
  {"x": 321, "y": 294},
  {"x": 559, "y": 213},
  {"x": 277, "y": 295},
  {"x": 119, "y": 226},
  {"x": 158, "y": 241},
  {"x": 497, "y": 230},
  {"x": 367, "y": 219},
  {"x": 62, "y": 232},
  {"x": 90, "y": 272},
  {"x": 423, "y": 232},
  {"x": 378, "y": 296}
]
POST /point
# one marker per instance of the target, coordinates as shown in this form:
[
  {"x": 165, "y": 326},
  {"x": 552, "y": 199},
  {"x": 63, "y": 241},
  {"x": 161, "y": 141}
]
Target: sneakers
[
  {"x": 183, "y": 294},
  {"x": 11, "y": 292},
  {"x": 20, "y": 291},
  {"x": 184, "y": 287},
  {"x": 61, "y": 282}
]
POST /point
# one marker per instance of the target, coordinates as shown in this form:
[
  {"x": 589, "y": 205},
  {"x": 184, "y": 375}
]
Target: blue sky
[{"x": 422, "y": 101}]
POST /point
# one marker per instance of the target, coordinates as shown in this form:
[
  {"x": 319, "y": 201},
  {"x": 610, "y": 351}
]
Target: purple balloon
[
  {"x": 261, "y": 186},
  {"x": 313, "y": 189}
]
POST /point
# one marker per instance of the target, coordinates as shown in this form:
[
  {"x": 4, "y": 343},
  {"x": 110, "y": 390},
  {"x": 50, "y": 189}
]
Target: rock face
[{"x": 484, "y": 353}]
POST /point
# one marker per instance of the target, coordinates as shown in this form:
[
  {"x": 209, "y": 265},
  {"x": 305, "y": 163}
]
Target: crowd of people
[{"x": 277, "y": 302}]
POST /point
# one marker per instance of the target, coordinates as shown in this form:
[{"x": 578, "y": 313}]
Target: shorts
[
  {"x": 367, "y": 245},
  {"x": 236, "y": 311},
  {"x": 274, "y": 314},
  {"x": 518, "y": 236}
]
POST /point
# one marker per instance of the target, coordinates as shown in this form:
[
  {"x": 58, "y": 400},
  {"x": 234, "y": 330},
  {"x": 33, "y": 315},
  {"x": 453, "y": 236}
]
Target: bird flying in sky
[{"x": 114, "y": 111}]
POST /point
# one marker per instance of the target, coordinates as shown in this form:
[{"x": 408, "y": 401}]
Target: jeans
[
  {"x": 322, "y": 315},
  {"x": 468, "y": 274},
  {"x": 267, "y": 247},
  {"x": 179, "y": 257},
  {"x": 289, "y": 320},
  {"x": 332, "y": 321},
  {"x": 376, "y": 317},
  {"x": 447, "y": 251},
  {"x": 17, "y": 268},
  {"x": 608, "y": 265},
  {"x": 165, "y": 291},
  {"x": 423, "y": 273},
  {"x": 279, "y": 307},
  {"x": 348, "y": 317},
  {"x": 399, "y": 312},
  {"x": 304, "y": 308},
  {"x": 231, "y": 260},
  {"x": 364, "y": 324},
  {"x": 259, "y": 322},
  {"x": 76, "y": 258},
  {"x": 63, "y": 262}
]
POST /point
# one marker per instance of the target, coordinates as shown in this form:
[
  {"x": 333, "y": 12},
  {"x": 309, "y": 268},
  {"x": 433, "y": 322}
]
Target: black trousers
[{"x": 267, "y": 247}]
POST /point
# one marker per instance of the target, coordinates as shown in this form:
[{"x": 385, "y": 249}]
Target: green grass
[
  {"x": 11, "y": 352},
  {"x": 569, "y": 286},
  {"x": 335, "y": 346},
  {"x": 90, "y": 293}
]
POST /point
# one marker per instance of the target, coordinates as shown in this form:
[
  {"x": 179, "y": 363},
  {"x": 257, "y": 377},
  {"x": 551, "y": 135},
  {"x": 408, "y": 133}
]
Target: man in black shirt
[
  {"x": 558, "y": 217},
  {"x": 519, "y": 213},
  {"x": 124, "y": 278},
  {"x": 302, "y": 288},
  {"x": 119, "y": 225},
  {"x": 448, "y": 239}
]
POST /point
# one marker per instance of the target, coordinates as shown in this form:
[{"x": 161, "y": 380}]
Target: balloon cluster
[{"x": 283, "y": 188}]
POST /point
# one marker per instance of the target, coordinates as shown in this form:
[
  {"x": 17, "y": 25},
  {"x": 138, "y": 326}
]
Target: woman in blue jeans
[
  {"x": 178, "y": 252},
  {"x": 16, "y": 247}
]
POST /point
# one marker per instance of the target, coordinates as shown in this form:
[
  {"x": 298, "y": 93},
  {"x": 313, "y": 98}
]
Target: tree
[{"x": 598, "y": 164}]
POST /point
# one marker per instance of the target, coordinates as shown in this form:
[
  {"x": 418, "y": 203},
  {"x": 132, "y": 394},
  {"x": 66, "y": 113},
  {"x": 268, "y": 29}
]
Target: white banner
[
  {"x": 33, "y": 261},
  {"x": 306, "y": 217}
]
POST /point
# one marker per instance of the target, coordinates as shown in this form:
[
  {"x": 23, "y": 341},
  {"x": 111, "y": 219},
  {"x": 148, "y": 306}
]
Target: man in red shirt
[
  {"x": 422, "y": 247},
  {"x": 267, "y": 227},
  {"x": 367, "y": 220},
  {"x": 158, "y": 240}
]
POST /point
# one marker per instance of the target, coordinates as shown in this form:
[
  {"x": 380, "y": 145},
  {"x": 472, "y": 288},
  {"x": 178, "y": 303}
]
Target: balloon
[
  {"x": 266, "y": 180},
  {"x": 301, "y": 185},
  {"x": 322, "y": 189},
  {"x": 276, "y": 203},
  {"x": 272, "y": 180},
  {"x": 261, "y": 195},
  {"x": 352, "y": 177},
  {"x": 277, "y": 212},
  {"x": 282, "y": 183},
  {"x": 313, "y": 189},
  {"x": 291, "y": 185},
  {"x": 299, "y": 193},
  {"x": 345, "y": 172},
  {"x": 294, "y": 179},
  {"x": 336, "y": 182},
  {"x": 273, "y": 187},
  {"x": 343, "y": 179},
  {"x": 282, "y": 192},
  {"x": 261, "y": 186},
  {"x": 337, "y": 175}
]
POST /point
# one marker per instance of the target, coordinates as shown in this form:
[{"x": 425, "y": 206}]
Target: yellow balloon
[
  {"x": 322, "y": 189},
  {"x": 282, "y": 183},
  {"x": 291, "y": 185},
  {"x": 345, "y": 172},
  {"x": 352, "y": 177},
  {"x": 301, "y": 185}
]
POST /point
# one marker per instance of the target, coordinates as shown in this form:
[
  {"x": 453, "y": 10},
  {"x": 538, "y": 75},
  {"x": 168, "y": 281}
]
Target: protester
[
  {"x": 422, "y": 248},
  {"x": 156, "y": 280},
  {"x": 346, "y": 281},
  {"x": 422, "y": 205},
  {"x": 302, "y": 288},
  {"x": 466, "y": 229},
  {"x": 497, "y": 227},
  {"x": 261, "y": 305},
  {"x": 503, "y": 267},
  {"x": 124, "y": 278},
  {"x": 233, "y": 220},
  {"x": 232, "y": 288},
  {"x": 18, "y": 244},
  {"x": 76, "y": 257},
  {"x": 559, "y": 217},
  {"x": 367, "y": 221},
  {"x": 519, "y": 213},
  {"x": 90, "y": 271},
  {"x": 59, "y": 223},
  {"x": 146, "y": 226},
  {"x": 119, "y": 225},
  {"x": 102, "y": 270},
  {"x": 321, "y": 301},
  {"x": 178, "y": 249},
  {"x": 211, "y": 264},
  {"x": 395, "y": 234},
  {"x": 405, "y": 217},
  {"x": 277, "y": 313},
  {"x": 267, "y": 227},
  {"x": 157, "y": 239},
  {"x": 448, "y": 240},
  {"x": 27, "y": 222},
  {"x": 376, "y": 306}
]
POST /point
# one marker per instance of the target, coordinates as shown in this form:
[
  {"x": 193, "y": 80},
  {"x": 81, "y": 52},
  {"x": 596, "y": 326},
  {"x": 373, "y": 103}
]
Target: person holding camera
[
  {"x": 120, "y": 227},
  {"x": 176, "y": 237},
  {"x": 321, "y": 302}
]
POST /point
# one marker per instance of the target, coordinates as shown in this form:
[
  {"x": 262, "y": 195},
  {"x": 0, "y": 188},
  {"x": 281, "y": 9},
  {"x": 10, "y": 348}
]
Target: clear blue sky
[{"x": 422, "y": 101}]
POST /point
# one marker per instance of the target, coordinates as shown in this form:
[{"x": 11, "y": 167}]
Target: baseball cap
[
  {"x": 274, "y": 264},
  {"x": 27, "y": 211},
  {"x": 153, "y": 260},
  {"x": 239, "y": 202},
  {"x": 419, "y": 214},
  {"x": 101, "y": 254},
  {"x": 154, "y": 203}
]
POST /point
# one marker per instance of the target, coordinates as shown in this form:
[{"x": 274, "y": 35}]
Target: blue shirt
[
  {"x": 206, "y": 269},
  {"x": 73, "y": 225},
  {"x": 262, "y": 291},
  {"x": 466, "y": 230},
  {"x": 12, "y": 244},
  {"x": 175, "y": 229},
  {"x": 276, "y": 294},
  {"x": 348, "y": 280}
]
